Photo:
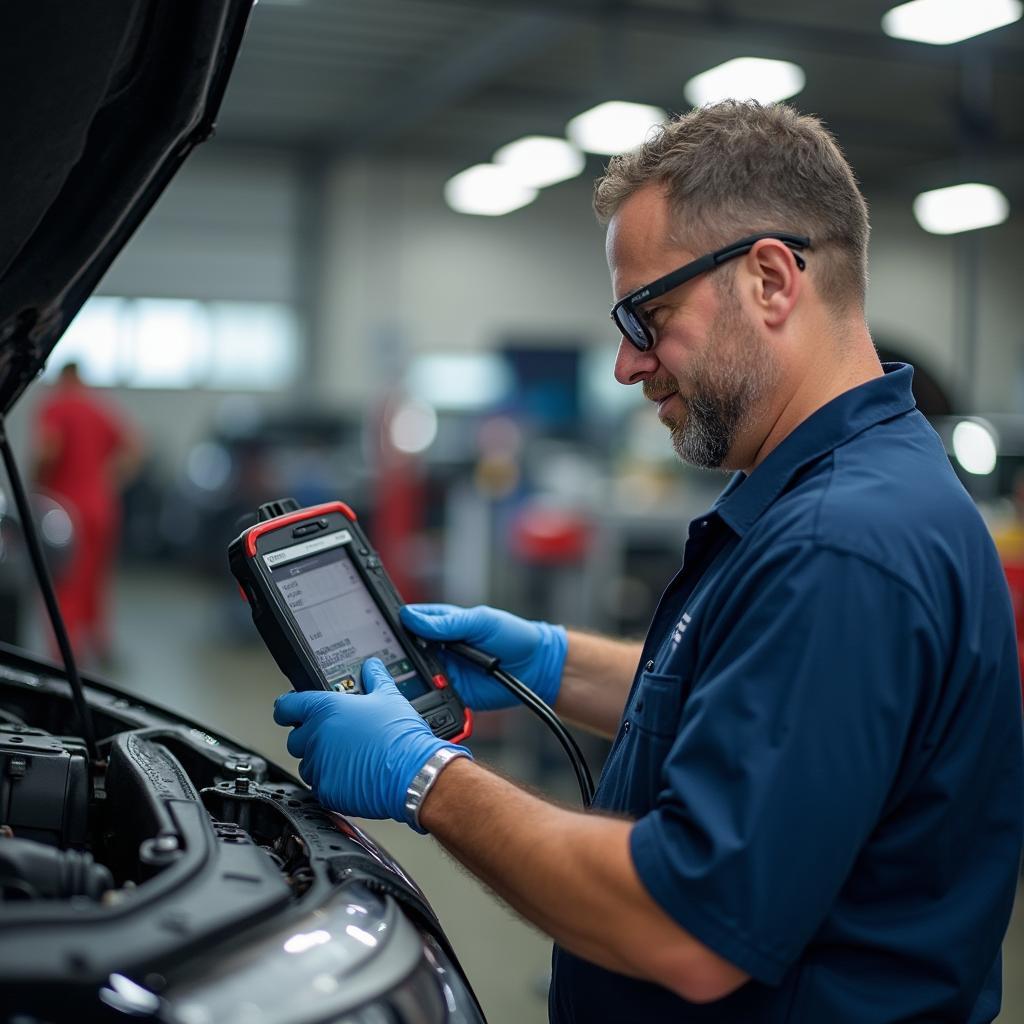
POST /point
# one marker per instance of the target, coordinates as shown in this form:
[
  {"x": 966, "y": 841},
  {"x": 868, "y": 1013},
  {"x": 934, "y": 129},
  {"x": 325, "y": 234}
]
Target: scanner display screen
[{"x": 341, "y": 621}]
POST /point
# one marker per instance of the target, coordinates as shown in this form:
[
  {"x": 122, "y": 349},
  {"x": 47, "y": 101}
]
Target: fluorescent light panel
[
  {"x": 614, "y": 127},
  {"x": 540, "y": 160},
  {"x": 948, "y": 21},
  {"x": 487, "y": 190},
  {"x": 967, "y": 207},
  {"x": 746, "y": 78}
]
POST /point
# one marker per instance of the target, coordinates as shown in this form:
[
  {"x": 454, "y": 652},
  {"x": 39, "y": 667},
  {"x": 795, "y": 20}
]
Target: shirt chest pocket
[
  {"x": 632, "y": 776},
  {"x": 657, "y": 705}
]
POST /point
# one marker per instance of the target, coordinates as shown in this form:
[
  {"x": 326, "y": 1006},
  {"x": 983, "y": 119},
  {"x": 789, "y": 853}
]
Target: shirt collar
[{"x": 745, "y": 498}]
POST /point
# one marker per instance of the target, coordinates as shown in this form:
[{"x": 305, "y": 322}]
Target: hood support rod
[{"x": 35, "y": 550}]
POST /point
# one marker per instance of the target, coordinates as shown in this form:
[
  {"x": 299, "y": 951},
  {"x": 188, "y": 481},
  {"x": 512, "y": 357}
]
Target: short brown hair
[{"x": 736, "y": 168}]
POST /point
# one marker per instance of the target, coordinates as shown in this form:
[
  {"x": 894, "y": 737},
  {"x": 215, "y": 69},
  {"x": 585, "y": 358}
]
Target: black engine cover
[{"x": 44, "y": 786}]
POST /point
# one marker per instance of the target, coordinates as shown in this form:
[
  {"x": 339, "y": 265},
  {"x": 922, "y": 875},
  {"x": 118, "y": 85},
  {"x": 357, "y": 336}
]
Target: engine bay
[{"x": 175, "y": 844}]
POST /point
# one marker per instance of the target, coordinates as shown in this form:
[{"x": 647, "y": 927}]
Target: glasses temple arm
[
  {"x": 792, "y": 242},
  {"x": 666, "y": 284}
]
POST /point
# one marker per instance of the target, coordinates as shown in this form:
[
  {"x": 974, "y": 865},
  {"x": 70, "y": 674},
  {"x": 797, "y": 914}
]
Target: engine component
[
  {"x": 30, "y": 870},
  {"x": 44, "y": 786},
  {"x": 144, "y": 780}
]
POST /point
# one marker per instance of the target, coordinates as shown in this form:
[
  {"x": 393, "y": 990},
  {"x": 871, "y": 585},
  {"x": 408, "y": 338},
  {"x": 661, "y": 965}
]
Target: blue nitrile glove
[
  {"x": 532, "y": 651},
  {"x": 359, "y": 751}
]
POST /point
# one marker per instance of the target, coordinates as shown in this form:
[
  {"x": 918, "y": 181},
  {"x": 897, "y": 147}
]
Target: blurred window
[
  {"x": 181, "y": 343},
  {"x": 463, "y": 381},
  {"x": 93, "y": 341},
  {"x": 171, "y": 344},
  {"x": 603, "y": 395},
  {"x": 255, "y": 345}
]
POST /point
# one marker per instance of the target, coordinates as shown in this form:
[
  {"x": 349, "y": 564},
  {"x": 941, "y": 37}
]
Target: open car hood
[{"x": 103, "y": 101}]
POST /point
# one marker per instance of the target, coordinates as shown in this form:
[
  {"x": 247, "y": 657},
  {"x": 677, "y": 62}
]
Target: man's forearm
[
  {"x": 595, "y": 681},
  {"x": 571, "y": 874}
]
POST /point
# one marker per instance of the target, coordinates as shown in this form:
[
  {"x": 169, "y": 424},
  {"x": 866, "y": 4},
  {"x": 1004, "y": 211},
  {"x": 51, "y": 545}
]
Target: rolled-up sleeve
[{"x": 787, "y": 750}]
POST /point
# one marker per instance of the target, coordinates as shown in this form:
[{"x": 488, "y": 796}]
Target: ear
[{"x": 777, "y": 280}]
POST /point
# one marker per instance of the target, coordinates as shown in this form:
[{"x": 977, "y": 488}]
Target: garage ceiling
[{"x": 455, "y": 79}]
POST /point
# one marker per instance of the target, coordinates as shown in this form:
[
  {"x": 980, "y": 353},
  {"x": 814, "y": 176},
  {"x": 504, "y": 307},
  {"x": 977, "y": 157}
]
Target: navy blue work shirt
[{"x": 822, "y": 747}]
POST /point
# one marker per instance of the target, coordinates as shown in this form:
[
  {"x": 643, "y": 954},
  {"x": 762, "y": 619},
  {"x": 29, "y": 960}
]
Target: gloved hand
[
  {"x": 532, "y": 651},
  {"x": 360, "y": 751}
]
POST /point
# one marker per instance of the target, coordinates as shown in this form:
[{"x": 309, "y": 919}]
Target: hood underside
[{"x": 104, "y": 99}]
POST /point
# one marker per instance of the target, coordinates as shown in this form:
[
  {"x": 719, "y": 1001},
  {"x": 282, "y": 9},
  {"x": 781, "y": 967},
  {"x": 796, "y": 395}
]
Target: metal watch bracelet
[{"x": 425, "y": 779}]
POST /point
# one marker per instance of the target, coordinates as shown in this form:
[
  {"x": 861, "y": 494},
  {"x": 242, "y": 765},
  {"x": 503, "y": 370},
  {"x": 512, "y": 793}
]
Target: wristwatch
[{"x": 425, "y": 779}]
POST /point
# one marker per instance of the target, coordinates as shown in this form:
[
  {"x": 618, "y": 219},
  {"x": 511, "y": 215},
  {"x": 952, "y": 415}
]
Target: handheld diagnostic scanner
[{"x": 323, "y": 604}]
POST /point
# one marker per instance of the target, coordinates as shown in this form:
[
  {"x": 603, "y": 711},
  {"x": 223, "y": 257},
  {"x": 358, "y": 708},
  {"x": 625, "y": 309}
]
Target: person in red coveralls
[{"x": 84, "y": 452}]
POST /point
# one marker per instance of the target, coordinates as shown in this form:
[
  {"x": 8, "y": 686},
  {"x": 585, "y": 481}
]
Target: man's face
[{"x": 709, "y": 371}]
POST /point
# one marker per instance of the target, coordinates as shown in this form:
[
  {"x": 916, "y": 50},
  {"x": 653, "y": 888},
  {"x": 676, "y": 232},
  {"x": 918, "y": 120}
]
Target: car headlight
[{"x": 355, "y": 960}]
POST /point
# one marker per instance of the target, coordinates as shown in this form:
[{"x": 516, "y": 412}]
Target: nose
[{"x": 632, "y": 365}]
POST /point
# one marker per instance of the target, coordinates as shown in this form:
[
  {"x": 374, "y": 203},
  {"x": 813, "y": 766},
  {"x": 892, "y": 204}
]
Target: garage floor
[{"x": 178, "y": 645}]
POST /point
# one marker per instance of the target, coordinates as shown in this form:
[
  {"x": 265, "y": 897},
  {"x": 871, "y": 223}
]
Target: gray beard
[
  {"x": 726, "y": 388},
  {"x": 729, "y": 382},
  {"x": 708, "y": 433}
]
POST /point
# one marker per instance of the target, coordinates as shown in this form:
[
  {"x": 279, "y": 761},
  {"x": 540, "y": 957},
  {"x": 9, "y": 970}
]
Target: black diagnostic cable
[
  {"x": 35, "y": 550},
  {"x": 492, "y": 665}
]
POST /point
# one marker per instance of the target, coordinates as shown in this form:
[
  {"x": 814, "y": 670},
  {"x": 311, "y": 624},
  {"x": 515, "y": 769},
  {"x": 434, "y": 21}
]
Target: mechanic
[
  {"x": 812, "y": 808},
  {"x": 85, "y": 452}
]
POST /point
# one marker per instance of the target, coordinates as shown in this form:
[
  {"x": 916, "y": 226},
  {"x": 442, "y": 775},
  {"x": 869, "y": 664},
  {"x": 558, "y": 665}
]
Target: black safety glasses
[{"x": 625, "y": 311}]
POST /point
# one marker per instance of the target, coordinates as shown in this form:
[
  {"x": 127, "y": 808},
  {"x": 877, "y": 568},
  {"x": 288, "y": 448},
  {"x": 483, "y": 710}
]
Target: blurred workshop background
[{"x": 381, "y": 280}]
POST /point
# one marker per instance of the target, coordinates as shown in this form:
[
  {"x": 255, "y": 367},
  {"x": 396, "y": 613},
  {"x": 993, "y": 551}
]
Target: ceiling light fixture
[
  {"x": 614, "y": 127},
  {"x": 540, "y": 160},
  {"x": 487, "y": 190},
  {"x": 975, "y": 446},
  {"x": 967, "y": 207},
  {"x": 746, "y": 78},
  {"x": 948, "y": 21}
]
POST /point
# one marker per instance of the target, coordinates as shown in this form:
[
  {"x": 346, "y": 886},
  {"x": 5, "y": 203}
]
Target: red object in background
[
  {"x": 399, "y": 505},
  {"x": 1015, "y": 578},
  {"x": 548, "y": 536},
  {"x": 80, "y": 439},
  {"x": 399, "y": 518}
]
